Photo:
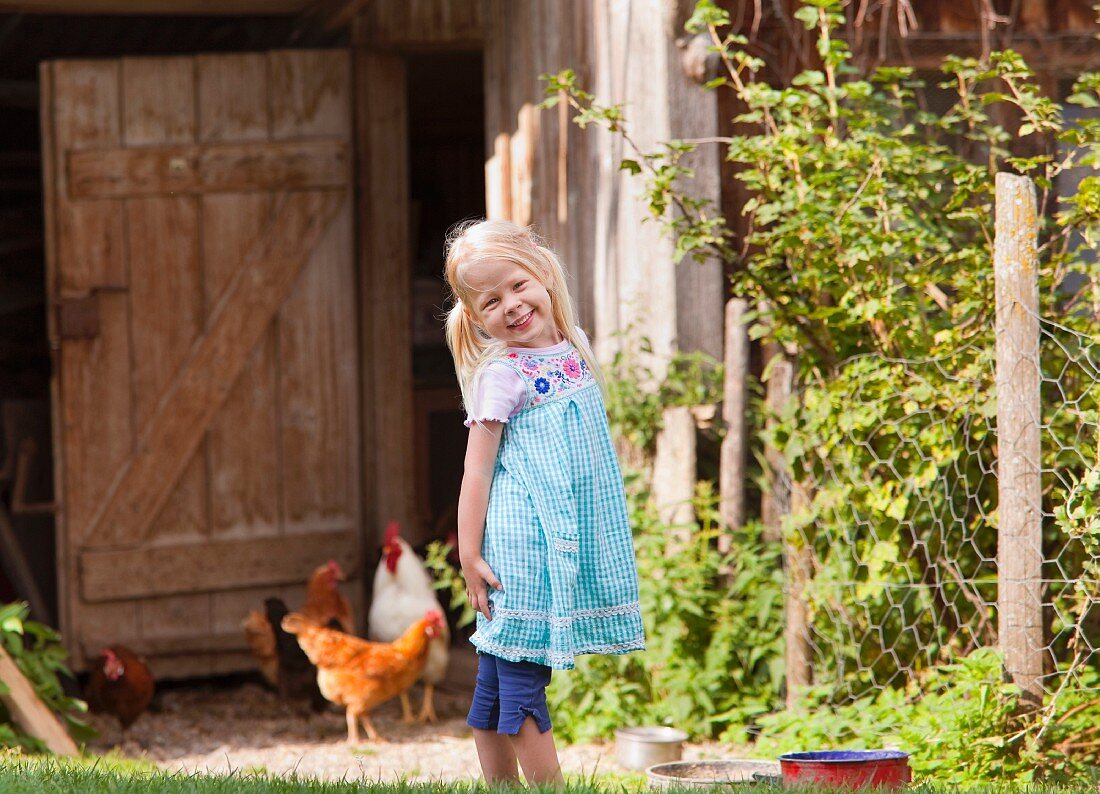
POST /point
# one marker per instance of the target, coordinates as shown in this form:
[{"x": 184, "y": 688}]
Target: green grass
[{"x": 107, "y": 775}]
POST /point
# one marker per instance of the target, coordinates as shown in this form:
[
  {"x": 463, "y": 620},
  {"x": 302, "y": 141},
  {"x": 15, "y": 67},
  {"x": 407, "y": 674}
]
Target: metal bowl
[
  {"x": 642, "y": 747},
  {"x": 704, "y": 774}
]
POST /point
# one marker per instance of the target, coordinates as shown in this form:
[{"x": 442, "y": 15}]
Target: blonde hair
[{"x": 478, "y": 241}]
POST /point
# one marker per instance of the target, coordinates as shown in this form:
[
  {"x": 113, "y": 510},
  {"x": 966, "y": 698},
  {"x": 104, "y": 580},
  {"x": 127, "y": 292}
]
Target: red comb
[{"x": 393, "y": 529}]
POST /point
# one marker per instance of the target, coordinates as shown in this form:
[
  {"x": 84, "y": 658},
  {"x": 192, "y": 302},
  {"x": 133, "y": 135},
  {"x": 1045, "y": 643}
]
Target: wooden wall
[{"x": 542, "y": 169}]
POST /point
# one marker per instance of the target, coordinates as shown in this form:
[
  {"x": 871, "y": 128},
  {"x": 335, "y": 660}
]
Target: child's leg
[
  {"x": 537, "y": 755},
  {"x": 494, "y": 751},
  {"x": 496, "y": 756},
  {"x": 525, "y": 719}
]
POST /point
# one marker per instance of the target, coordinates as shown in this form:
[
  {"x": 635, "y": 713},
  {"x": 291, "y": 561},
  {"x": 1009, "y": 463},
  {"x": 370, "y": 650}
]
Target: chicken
[
  {"x": 295, "y": 678},
  {"x": 402, "y": 593},
  {"x": 260, "y": 636},
  {"x": 359, "y": 674},
  {"x": 324, "y": 605},
  {"x": 119, "y": 684}
]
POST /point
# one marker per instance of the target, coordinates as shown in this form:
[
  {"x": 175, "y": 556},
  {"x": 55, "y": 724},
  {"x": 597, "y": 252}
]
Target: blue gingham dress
[{"x": 556, "y": 532}]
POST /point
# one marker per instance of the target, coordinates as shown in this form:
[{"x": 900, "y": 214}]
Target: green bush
[
  {"x": 37, "y": 652},
  {"x": 867, "y": 258},
  {"x": 714, "y": 625},
  {"x": 961, "y": 724}
]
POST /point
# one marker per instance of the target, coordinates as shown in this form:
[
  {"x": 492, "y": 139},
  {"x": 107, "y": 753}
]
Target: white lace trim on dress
[
  {"x": 554, "y": 657},
  {"x": 578, "y": 614}
]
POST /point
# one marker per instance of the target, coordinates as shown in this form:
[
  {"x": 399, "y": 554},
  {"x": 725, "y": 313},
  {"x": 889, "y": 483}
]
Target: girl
[{"x": 543, "y": 535}]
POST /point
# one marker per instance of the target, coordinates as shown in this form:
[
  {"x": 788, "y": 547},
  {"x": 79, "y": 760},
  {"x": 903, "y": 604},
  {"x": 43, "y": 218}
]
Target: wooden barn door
[{"x": 203, "y": 321}]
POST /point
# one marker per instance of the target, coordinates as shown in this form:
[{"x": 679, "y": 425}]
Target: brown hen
[
  {"x": 324, "y": 605},
  {"x": 120, "y": 684},
  {"x": 359, "y": 674}
]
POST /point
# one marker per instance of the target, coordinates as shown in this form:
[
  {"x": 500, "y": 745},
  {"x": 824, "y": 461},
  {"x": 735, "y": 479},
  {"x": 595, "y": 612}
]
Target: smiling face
[{"x": 511, "y": 304}]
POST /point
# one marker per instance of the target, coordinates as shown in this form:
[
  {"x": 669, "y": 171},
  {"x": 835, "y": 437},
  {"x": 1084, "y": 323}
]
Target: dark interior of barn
[{"x": 445, "y": 145}]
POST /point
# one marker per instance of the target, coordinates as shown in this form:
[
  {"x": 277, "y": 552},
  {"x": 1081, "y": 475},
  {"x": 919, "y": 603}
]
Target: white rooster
[{"x": 402, "y": 593}]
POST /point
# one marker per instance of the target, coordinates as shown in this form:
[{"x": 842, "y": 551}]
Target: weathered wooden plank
[
  {"x": 318, "y": 439},
  {"x": 243, "y": 451},
  {"x": 178, "y": 618},
  {"x": 317, "y": 386},
  {"x": 1019, "y": 440},
  {"x": 405, "y": 23},
  {"x": 184, "y": 515},
  {"x": 167, "y": 311},
  {"x": 97, "y": 430},
  {"x": 166, "y": 297},
  {"x": 151, "y": 647},
  {"x": 242, "y": 438},
  {"x": 385, "y": 288},
  {"x": 498, "y": 132},
  {"x": 232, "y": 97},
  {"x": 241, "y": 442},
  {"x": 159, "y": 101},
  {"x": 30, "y": 712},
  {"x": 236, "y": 324},
  {"x": 87, "y": 237},
  {"x": 308, "y": 94},
  {"x": 173, "y": 170},
  {"x": 194, "y": 568}
]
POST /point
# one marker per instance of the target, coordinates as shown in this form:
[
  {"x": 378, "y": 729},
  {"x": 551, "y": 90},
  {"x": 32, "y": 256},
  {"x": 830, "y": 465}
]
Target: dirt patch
[{"x": 244, "y": 727}]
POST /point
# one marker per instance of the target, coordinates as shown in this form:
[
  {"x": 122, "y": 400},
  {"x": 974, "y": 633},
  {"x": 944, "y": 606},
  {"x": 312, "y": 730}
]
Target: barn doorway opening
[{"x": 447, "y": 184}]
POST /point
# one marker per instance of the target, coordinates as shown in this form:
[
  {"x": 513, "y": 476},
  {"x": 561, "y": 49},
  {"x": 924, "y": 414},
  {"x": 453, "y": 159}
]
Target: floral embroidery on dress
[{"x": 550, "y": 376}]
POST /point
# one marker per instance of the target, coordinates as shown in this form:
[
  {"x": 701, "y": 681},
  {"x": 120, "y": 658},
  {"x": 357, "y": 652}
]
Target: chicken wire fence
[{"x": 898, "y": 535}]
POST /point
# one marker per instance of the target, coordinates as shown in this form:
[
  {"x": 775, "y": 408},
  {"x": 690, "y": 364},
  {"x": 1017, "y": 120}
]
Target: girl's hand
[{"x": 479, "y": 578}]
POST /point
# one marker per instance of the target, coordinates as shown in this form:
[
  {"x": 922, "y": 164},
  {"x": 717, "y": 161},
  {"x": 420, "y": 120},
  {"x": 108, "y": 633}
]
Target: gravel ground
[{"x": 243, "y": 727}]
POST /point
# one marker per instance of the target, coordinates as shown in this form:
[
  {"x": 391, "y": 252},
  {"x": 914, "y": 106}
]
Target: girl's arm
[{"x": 473, "y": 503}]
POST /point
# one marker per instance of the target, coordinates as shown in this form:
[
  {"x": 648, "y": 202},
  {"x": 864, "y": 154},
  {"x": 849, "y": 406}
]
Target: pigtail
[{"x": 467, "y": 348}]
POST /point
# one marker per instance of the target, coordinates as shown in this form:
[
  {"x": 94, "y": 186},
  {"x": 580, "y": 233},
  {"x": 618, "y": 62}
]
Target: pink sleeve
[{"x": 499, "y": 394}]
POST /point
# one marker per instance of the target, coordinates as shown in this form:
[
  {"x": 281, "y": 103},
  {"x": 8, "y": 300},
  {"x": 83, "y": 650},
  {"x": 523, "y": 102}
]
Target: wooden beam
[
  {"x": 151, "y": 647},
  {"x": 259, "y": 287},
  {"x": 412, "y": 24},
  {"x": 154, "y": 7},
  {"x": 238, "y": 168},
  {"x": 333, "y": 14},
  {"x": 111, "y": 575},
  {"x": 30, "y": 712}
]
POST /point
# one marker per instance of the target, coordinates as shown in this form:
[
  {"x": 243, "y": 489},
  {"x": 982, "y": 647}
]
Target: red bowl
[{"x": 847, "y": 768}]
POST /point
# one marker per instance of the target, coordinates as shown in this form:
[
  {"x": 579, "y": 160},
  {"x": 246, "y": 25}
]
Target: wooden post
[
  {"x": 731, "y": 467},
  {"x": 30, "y": 712},
  {"x": 1019, "y": 543},
  {"x": 787, "y": 497},
  {"x": 674, "y": 469},
  {"x": 796, "y": 552},
  {"x": 777, "y": 500}
]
